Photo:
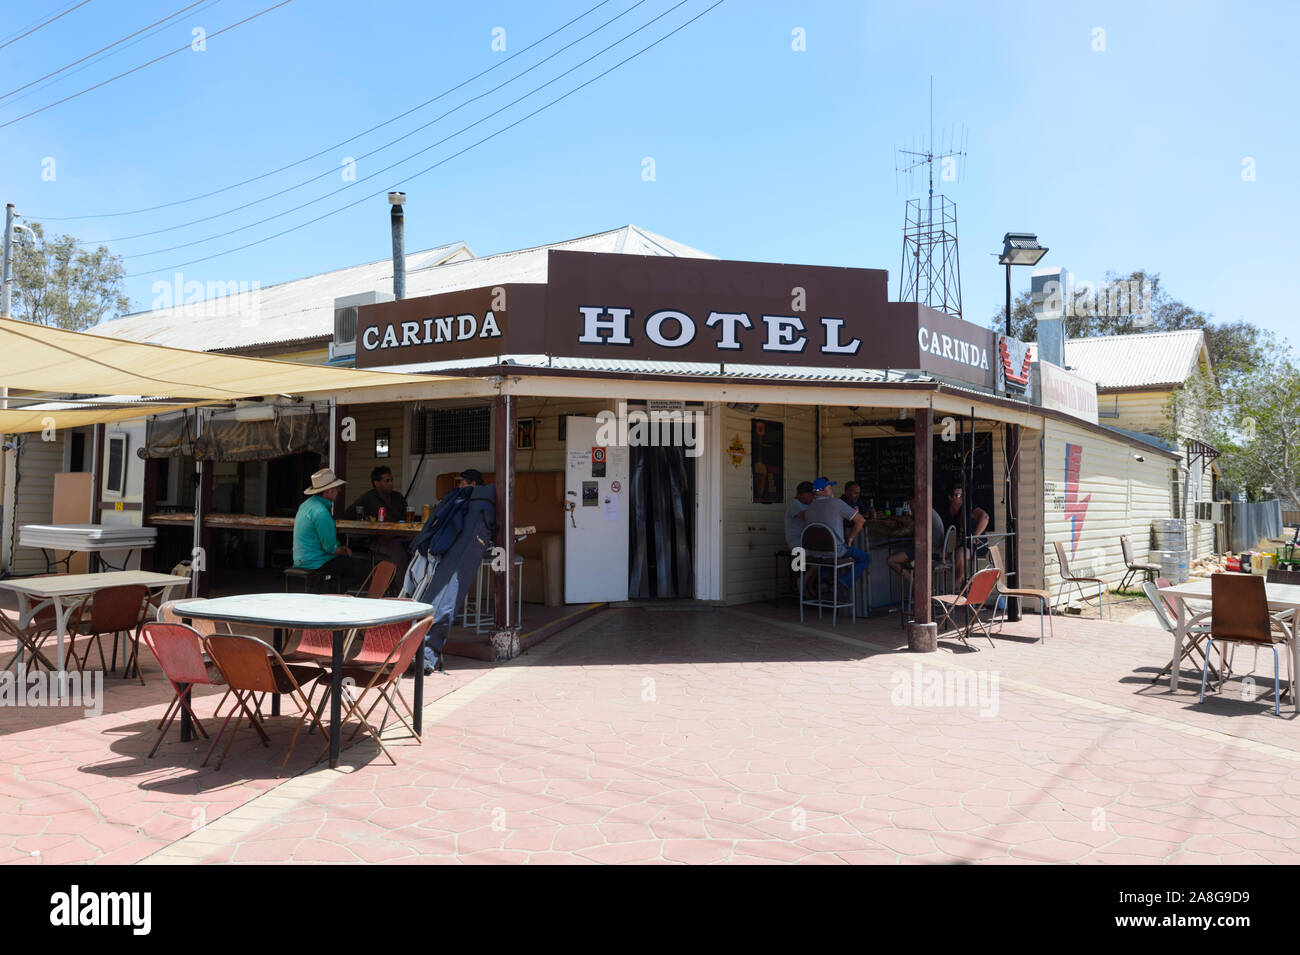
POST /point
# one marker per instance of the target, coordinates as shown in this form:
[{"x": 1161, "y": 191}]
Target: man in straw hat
[{"x": 315, "y": 542}]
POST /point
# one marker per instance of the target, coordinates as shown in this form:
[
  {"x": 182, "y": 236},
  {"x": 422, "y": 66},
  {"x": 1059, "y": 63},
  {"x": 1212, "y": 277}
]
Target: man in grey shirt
[
  {"x": 830, "y": 510},
  {"x": 794, "y": 514}
]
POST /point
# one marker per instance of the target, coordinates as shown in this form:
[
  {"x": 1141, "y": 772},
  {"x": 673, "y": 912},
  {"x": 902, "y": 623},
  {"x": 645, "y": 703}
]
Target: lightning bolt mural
[{"x": 1075, "y": 509}]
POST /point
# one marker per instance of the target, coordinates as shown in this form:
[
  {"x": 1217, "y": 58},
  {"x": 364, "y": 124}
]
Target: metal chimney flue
[{"x": 397, "y": 200}]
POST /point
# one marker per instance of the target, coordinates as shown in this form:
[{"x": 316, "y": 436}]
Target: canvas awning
[
  {"x": 52, "y": 360},
  {"x": 38, "y": 418}
]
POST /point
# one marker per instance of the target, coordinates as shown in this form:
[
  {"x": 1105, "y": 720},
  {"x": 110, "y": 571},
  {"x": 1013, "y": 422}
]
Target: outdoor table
[
  {"x": 1279, "y": 596},
  {"x": 313, "y": 612},
  {"x": 94, "y": 539},
  {"x": 37, "y": 592}
]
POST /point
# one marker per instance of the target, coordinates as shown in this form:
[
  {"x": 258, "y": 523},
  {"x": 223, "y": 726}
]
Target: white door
[{"x": 596, "y": 533}]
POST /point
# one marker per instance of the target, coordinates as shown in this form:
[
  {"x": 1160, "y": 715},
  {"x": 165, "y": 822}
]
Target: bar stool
[
  {"x": 481, "y": 618},
  {"x": 312, "y": 579}
]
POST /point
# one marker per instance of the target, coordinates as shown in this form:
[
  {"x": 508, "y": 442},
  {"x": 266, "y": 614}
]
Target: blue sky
[{"x": 1119, "y": 158}]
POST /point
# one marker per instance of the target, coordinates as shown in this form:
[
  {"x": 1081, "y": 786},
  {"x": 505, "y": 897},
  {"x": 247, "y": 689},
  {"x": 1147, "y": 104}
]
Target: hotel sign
[
  {"x": 667, "y": 308},
  {"x": 1066, "y": 391}
]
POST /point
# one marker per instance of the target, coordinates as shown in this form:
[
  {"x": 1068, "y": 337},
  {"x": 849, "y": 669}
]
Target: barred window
[{"x": 452, "y": 430}]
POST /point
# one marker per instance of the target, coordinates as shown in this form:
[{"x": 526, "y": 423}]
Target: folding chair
[
  {"x": 32, "y": 637},
  {"x": 376, "y": 585},
  {"x": 179, "y": 651},
  {"x": 1069, "y": 578},
  {"x": 1196, "y": 631},
  {"x": 972, "y": 599},
  {"x": 817, "y": 538},
  {"x": 252, "y": 666},
  {"x": 1042, "y": 596},
  {"x": 1239, "y": 614},
  {"x": 386, "y": 653},
  {"x": 1150, "y": 571},
  {"x": 117, "y": 610}
]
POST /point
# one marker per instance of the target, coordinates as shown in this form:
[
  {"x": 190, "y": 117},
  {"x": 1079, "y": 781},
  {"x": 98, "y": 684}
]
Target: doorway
[{"x": 661, "y": 537}]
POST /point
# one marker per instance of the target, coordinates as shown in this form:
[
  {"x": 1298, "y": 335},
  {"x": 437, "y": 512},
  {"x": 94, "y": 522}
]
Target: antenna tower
[{"x": 931, "y": 272}]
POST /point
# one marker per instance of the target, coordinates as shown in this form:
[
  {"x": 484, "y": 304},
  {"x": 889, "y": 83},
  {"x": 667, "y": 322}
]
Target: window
[
  {"x": 452, "y": 430},
  {"x": 115, "y": 472}
]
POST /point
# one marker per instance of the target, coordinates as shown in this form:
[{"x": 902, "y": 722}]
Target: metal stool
[
  {"x": 310, "y": 577},
  {"x": 481, "y": 619}
]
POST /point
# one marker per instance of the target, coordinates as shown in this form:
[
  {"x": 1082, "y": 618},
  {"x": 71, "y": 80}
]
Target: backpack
[{"x": 445, "y": 524}]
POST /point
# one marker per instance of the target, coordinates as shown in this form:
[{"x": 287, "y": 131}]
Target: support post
[
  {"x": 97, "y": 440},
  {"x": 1013, "y": 513},
  {"x": 922, "y": 633},
  {"x": 505, "y": 635}
]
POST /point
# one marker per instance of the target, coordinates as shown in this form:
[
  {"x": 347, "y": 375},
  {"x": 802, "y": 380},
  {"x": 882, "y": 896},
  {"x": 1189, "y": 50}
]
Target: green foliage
[{"x": 57, "y": 283}]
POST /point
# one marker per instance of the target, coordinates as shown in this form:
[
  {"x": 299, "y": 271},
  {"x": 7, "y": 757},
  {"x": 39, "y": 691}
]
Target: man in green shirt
[{"x": 315, "y": 542}]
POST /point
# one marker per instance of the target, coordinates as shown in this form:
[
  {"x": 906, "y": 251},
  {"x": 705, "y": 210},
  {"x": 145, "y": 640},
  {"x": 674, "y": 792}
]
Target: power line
[
  {"x": 142, "y": 65},
  {"x": 10, "y": 36},
  {"x": 303, "y": 205},
  {"x": 317, "y": 155},
  {"x": 416, "y": 175},
  {"x": 102, "y": 49},
  {"x": 331, "y": 171},
  {"x": 96, "y": 60},
  {"x": 43, "y": 25}
]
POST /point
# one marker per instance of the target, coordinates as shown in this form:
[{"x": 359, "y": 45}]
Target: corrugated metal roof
[
  {"x": 303, "y": 309},
  {"x": 1151, "y": 359}
]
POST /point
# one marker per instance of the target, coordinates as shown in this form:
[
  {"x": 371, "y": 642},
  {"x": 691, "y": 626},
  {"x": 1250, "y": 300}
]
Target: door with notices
[{"x": 596, "y": 528}]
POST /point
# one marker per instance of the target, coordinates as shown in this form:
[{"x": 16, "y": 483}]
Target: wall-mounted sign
[
  {"x": 736, "y": 451},
  {"x": 1014, "y": 362},
  {"x": 1066, "y": 391}
]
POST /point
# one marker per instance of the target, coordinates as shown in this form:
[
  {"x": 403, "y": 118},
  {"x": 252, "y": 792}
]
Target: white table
[
  {"x": 87, "y": 538},
  {"x": 37, "y": 592},
  {"x": 1280, "y": 597},
  {"x": 314, "y": 612}
]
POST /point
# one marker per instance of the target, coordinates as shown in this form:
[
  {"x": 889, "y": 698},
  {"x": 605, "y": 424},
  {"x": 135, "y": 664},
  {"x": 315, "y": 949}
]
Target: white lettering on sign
[
  {"x": 945, "y": 346},
  {"x": 833, "y": 344},
  {"x": 654, "y": 328},
  {"x": 429, "y": 331},
  {"x": 783, "y": 333},
  {"x": 729, "y": 321},
  {"x": 615, "y": 325}
]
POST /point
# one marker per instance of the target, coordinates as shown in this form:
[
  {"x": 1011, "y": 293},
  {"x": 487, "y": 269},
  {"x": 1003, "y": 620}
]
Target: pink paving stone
[
  {"x": 623, "y": 852},
  {"x": 571, "y": 838},
  {"x": 317, "y": 850},
  {"x": 696, "y": 851}
]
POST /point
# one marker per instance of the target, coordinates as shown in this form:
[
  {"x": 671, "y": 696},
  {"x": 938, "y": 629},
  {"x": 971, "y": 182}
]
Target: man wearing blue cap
[{"x": 830, "y": 510}]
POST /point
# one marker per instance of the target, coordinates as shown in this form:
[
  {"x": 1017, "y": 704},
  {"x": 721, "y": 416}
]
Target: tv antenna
[{"x": 931, "y": 271}]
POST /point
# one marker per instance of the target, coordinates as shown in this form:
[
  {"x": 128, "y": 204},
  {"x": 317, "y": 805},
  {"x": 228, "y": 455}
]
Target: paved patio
[{"x": 707, "y": 736}]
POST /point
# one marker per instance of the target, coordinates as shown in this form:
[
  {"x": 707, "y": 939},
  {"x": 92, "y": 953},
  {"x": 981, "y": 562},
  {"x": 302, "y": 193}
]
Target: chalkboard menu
[{"x": 883, "y": 466}]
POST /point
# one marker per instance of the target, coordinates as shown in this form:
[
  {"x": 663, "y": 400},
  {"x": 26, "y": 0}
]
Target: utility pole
[{"x": 9, "y": 263}]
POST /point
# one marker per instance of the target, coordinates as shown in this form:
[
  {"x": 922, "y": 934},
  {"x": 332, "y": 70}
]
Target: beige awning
[
  {"x": 51, "y": 360},
  {"x": 28, "y": 420}
]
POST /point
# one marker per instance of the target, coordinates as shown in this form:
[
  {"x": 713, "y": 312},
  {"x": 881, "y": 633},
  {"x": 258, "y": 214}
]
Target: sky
[{"x": 1126, "y": 135}]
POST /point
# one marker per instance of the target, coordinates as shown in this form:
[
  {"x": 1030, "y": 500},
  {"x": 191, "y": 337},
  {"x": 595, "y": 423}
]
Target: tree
[
  {"x": 1137, "y": 303},
  {"x": 58, "y": 283}
]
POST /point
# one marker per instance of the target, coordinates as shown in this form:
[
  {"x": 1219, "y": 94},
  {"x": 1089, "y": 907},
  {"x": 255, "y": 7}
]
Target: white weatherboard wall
[
  {"x": 1124, "y": 497},
  {"x": 35, "y": 470},
  {"x": 752, "y": 533}
]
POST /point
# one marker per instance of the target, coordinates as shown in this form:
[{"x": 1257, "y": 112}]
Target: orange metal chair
[
  {"x": 386, "y": 653},
  {"x": 42, "y": 625},
  {"x": 179, "y": 651},
  {"x": 252, "y": 666},
  {"x": 377, "y": 584},
  {"x": 972, "y": 599}
]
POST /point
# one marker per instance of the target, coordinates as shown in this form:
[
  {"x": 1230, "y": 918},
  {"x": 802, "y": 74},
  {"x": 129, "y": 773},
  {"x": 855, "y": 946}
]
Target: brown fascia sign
[{"x": 663, "y": 308}]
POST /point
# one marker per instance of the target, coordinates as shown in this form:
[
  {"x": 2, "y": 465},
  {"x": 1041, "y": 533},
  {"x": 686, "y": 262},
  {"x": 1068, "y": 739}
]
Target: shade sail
[
  {"x": 44, "y": 359},
  {"x": 28, "y": 420}
]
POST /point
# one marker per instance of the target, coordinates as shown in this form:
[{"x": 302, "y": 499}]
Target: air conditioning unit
[{"x": 344, "y": 345}]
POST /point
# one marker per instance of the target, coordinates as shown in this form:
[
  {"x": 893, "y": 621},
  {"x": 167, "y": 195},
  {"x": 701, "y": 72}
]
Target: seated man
[
  {"x": 794, "y": 514},
  {"x": 901, "y": 562},
  {"x": 954, "y": 515},
  {"x": 827, "y": 509},
  {"x": 381, "y": 496},
  {"x": 315, "y": 542}
]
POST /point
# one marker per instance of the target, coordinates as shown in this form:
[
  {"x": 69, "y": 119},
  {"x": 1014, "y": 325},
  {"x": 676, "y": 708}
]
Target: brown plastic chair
[
  {"x": 972, "y": 598},
  {"x": 1042, "y": 596},
  {"x": 1069, "y": 578},
  {"x": 252, "y": 666},
  {"x": 117, "y": 610},
  {"x": 377, "y": 584},
  {"x": 1149, "y": 571},
  {"x": 1239, "y": 614}
]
